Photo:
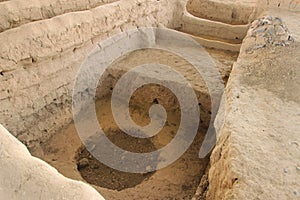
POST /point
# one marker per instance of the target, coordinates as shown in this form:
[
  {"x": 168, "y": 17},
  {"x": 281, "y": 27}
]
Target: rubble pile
[{"x": 269, "y": 31}]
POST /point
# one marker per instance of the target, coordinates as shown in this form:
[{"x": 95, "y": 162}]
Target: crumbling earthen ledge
[
  {"x": 27, "y": 177},
  {"x": 17, "y": 13},
  {"x": 39, "y": 61},
  {"x": 257, "y": 155}
]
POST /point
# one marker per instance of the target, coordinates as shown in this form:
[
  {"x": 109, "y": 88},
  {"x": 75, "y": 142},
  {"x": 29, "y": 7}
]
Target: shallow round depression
[{"x": 96, "y": 173}]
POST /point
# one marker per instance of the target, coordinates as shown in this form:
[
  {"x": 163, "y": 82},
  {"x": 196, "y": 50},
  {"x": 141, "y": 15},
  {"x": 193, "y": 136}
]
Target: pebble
[
  {"x": 295, "y": 193},
  {"x": 277, "y": 21},
  {"x": 83, "y": 163},
  {"x": 92, "y": 148},
  {"x": 291, "y": 38},
  {"x": 298, "y": 168},
  {"x": 272, "y": 31},
  {"x": 280, "y": 30},
  {"x": 259, "y": 46},
  {"x": 286, "y": 170},
  {"x": 259, "y": 30}
]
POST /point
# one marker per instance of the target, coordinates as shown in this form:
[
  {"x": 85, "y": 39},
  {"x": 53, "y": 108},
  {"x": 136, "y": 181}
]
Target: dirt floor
[{"x": 179, "y": 181}]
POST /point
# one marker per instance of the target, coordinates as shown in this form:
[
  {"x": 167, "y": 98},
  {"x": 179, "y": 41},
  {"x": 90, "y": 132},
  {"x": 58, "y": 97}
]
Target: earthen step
[
  {"x": 212, "y": 29},
  {"x": 216, "y": 43},
  {"x": 230, "y": 41},
  {"x": 235, "y": 12}
]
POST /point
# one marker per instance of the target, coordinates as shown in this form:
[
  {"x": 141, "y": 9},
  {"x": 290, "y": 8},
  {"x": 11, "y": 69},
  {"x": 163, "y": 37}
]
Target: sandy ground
[{"x": 177, "y": 181}]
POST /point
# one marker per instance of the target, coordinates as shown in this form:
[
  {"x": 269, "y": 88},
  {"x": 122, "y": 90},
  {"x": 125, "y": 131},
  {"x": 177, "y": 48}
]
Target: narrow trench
[
  {"x": 179, "y": 180},
  {"x": 204, "y": 10}
]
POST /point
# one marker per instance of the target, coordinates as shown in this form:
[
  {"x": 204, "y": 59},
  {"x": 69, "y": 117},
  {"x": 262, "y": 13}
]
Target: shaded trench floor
[{"x": 177, "y": 181}]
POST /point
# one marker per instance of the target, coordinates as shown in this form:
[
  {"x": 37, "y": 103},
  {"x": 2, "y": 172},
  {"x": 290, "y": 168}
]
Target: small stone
[
  {"x": 277, "y": 21},
  {"x": 286, "y": 170},
  {"x": 271, "y": 30},
  {"x": 295, "y": 193},
  {"x": 259, "y": 46},
  {"x": 277, "y": 43},
  {"x": 284, "y": 38},
  {"x": 83, "y": 163},
  {"x": 298, "y": 168},
  {"x": 259, "y": 30},
  {"x": 290, "y": 38},
  {"x": 280, "y": 30},
  {"x": 255, "y": 24},
  {"x": 267, "y": 20},
  {"x": 249, "y": 51},
  {"x": 92, "y": 148}
]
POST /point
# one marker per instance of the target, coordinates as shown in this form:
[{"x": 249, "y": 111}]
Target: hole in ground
[
  {"x": 177, "y": 181},
  {"x": 96, "y": 173}
]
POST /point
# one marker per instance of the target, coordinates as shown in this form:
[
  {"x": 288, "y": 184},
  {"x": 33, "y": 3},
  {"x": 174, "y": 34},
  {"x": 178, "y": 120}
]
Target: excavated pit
[
  {"x": 181, "y": 179},
  {"x": 43, "y": 45}
]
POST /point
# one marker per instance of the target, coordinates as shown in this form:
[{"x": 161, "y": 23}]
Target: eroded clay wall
[
  {"x": 16, "y": 13},
  {"x": 26, "y": 177},
  {"x": 39, "y": 61},
  {"x": 257, "y": 153}
]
